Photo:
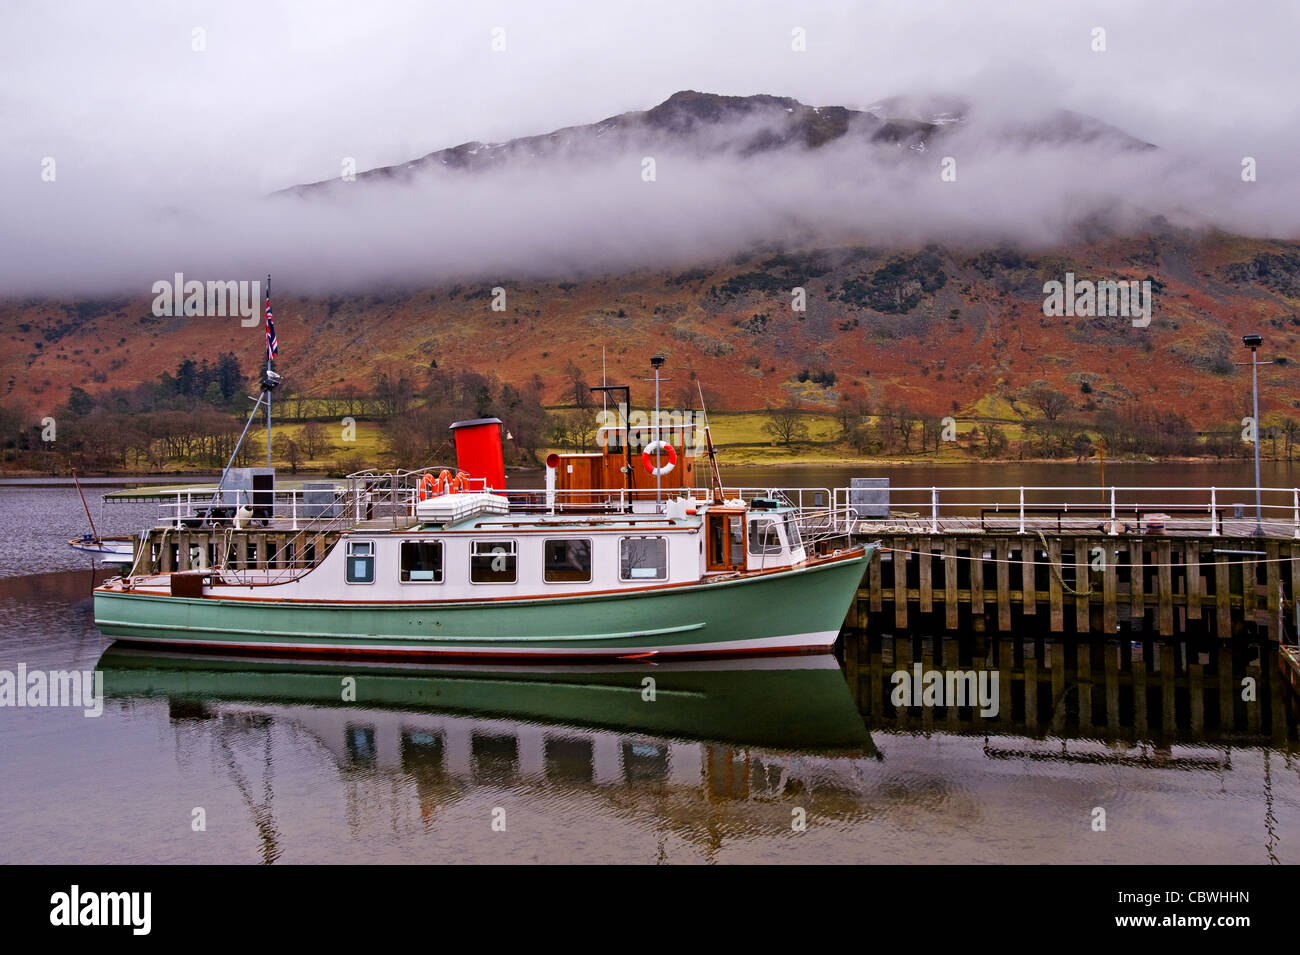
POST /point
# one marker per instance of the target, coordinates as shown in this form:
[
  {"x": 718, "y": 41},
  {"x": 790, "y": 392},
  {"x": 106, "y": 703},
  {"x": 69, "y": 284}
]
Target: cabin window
[
  {"x": 421, "y": 562},
  {"x": 492, "y": 562},
  {"x": 568, "y": 560},
  {"x": 763, "y": 538},
  {"x": 361, "y": 562},
  {"x": 792, "y": 532},
  {"x": 643, "y": 558}
]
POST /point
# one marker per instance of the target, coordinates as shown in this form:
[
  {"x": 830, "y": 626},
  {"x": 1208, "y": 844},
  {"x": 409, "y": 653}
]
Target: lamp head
[
  {"x": 1252, "y": 341},
  {"x": 657, "y": 360}
]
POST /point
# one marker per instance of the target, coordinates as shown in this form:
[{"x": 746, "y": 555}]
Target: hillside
[{"x": 941, "y": 329}]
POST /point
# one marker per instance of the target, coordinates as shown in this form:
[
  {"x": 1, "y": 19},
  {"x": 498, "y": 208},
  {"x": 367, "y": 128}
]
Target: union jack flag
[{"x": 272, "y": 343}]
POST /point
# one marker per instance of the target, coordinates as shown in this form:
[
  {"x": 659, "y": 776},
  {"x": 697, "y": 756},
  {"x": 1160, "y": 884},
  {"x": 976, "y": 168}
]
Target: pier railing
[{"x": 1111, "y": 510}]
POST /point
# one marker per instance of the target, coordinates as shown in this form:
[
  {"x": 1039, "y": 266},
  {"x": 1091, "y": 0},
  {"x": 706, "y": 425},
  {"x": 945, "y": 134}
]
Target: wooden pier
[{"x": 1081, "y": 583}]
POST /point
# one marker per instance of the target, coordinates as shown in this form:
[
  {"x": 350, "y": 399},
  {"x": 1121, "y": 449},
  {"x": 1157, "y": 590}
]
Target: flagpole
[{"x": 268, "y": 369}]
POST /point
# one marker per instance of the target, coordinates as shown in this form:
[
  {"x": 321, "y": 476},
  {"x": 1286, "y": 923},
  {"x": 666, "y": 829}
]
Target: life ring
[
  {"x": 459, "y": 484},
  {"x": 427, "y": 485},
  {"x": 648, "y": 455}
]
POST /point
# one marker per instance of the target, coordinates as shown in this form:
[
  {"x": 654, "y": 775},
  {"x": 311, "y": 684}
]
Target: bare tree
[
  {"x": 314, "y": 440},
  {"x": 906, "y": 423},
  {"x": 786, "y": 424},
  {"x": 1051, "y": 403}
]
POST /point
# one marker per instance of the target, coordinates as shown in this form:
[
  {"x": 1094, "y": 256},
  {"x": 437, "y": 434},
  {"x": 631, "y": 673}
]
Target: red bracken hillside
[{"x": 938, "y": 328}]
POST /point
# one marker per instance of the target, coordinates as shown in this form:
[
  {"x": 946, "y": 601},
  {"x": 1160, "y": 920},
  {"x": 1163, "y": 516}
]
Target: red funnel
[{"x": 478, "y": 451}]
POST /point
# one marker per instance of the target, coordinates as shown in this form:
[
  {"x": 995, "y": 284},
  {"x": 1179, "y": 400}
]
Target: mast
[
  {"x": 715, "y": 476},
  {"x": 93, "y": 533},
  {"x": 657, "y": 362},
  {"x": 268, "y": 369}
]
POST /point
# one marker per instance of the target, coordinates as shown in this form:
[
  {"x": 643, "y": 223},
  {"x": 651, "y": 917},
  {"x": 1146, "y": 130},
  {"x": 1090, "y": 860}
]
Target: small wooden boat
[{"x": 108, "y": 550}]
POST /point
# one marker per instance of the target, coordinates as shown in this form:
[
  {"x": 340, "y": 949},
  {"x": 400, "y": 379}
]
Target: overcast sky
[{"x": 135, "y": 117}]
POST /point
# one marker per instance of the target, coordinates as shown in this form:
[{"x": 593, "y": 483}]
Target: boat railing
[{"x": 392, "y": 495}]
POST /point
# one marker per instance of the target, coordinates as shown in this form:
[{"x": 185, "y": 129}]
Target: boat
[
  {"x": 108, "y": 550},
  {"x": 449, "y": 562}
]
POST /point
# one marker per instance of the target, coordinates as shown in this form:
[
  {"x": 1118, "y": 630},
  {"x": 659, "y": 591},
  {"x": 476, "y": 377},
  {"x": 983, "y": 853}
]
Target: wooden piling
[
  {"x": 900, "y": 582},
  {"x": 1082, "y": 584},
  {"x": 1003, "y": 553},
  {"x": 950, "y": 583},
  {"x": 1137, "y": 584},
  {"x": 1273, "y": 584},
  {"x": 1028, "y": 584},
  {"x": 874, "y": 584},
  {"x": 1165, "y": 587},
  {"x": 1192, "y": 559},
  {"x": 1110, "y": 587},
  {"x": 1222, "y": 595},
  {"x": 926, "y": 584},
  {"x": 1056, "y": 609}
]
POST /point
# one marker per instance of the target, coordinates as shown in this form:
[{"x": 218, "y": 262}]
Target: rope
[
  {"x": 996, "y": 560},
  {"x": 1057, "y": 570}
]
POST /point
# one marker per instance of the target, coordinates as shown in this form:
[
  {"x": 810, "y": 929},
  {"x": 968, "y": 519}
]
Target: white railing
[
  {"x": 1112, "y": 509},
  {"x": 366, "y": 495}
]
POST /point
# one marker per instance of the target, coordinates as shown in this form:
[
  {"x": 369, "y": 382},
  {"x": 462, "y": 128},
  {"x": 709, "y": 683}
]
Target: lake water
[{"x": 766, "y": 760}]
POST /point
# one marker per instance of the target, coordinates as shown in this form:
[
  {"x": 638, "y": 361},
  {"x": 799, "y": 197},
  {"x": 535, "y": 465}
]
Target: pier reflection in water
[{"x": 1127, "y": 693}]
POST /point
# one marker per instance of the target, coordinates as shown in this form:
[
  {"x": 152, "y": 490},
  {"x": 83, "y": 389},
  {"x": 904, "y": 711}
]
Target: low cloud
[{"x": 586, "y": 209}]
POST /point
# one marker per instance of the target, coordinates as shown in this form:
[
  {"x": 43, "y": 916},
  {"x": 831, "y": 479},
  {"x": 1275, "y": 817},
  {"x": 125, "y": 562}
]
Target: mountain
[{"x": 714, "y": 125}]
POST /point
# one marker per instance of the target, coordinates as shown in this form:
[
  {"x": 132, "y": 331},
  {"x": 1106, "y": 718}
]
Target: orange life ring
[
  {"x": 426, "y": 486},
  {"x": 444, "y": 481},
  {"x": 459, "y": 484},
  {"x": 648, "y": 454}
]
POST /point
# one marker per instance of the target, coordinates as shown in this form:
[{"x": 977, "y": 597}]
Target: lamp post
[{"x": 1253, "y": 342}]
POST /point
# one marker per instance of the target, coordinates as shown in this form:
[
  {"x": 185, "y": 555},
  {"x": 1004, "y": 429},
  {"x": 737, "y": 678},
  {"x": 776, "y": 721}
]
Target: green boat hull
[
  {"x": 799, "y": 609},
  {"x": 805, "y": 703}
]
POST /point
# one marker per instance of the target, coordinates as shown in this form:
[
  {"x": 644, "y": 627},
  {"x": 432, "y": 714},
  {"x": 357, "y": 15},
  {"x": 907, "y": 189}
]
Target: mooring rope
[{"x": 998, "y": 560}]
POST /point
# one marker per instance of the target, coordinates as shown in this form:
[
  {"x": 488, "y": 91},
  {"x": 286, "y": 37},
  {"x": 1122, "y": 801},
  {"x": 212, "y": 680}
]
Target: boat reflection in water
[
  {"x": 401, "y": 762},
  {"x": 752, "y": 732}
]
